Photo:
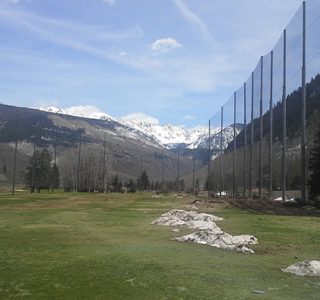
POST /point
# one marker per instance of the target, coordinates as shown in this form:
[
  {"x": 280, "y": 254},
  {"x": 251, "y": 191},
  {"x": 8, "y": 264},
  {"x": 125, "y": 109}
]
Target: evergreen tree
[
  {"x": 131, "y": 187},
  {"x": 197, "y": 186},
  {"x": 55, "y": 177},
  {"x": 314, "y": 166},
  {"x": 116, "y": 184},
  {"x": 143, "y": 181},
  {"x": 38, "y": 173}
]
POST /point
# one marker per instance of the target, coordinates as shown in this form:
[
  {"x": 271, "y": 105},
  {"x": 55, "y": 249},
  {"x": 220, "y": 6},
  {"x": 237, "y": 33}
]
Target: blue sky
[{"x": 175, "y": 60}]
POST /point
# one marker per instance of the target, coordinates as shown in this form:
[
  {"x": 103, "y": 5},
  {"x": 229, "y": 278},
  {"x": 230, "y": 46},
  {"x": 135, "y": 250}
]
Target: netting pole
[
  {"x": 15, "y": 155},
  {"x": 304, "y": 104},
  {"x": 193, "y": 165},
  {"x": 234, "y": 145},
  {"x": 261, "y": 129},
  {"x": 104, "y": 162},
  {"x": 251, "y": 150},
  {"x": 271, "y": 131},
  {"x": 221, "y": 151},
  {"x": 178, "y": 175},
  {"x": 209, "y": 162},
  {"x": 34, "y": 160},
  {"x": 79, "y": 159},
  {"x": 284, "y": 114},
  {"x": 245, "y": 140},
  {"x": 54, "y": 163},
  {"x": 162, "y": 171}
]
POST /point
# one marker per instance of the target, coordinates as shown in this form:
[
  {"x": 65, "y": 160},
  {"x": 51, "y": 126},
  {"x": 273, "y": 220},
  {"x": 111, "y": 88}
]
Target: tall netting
[
  {"x": 256, "y": 99},
  {"x": 216, "y": 148},
  {"x": 228, "y": 157},
  {"x": 312, "y": 94},
  {"x": 277, "y": 111},
  {"x": 240, "y": 143},
  {"x": 247, "y": 138},
  {"x": 266, "y": 94},
  {"x": 276, "y": 115},
  {"x": 294, "y": 62},
  {"x": 312, "y": 47},
  {"x": 312, "y": 69}
]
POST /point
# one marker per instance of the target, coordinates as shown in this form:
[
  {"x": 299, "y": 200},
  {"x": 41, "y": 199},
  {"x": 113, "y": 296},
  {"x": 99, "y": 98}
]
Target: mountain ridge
[{"x": 167, "y": 135}]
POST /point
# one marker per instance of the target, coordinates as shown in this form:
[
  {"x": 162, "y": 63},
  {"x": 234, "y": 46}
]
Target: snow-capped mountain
[
  {"x": 53, "y": 109},
  {"x": 168, "y": 136},
  {"x": 84, "y": 111}
]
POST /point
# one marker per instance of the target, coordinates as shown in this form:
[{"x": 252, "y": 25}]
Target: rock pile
[
  {"x": 305, "y": 268},
  {"x": 207, "y": 233},
  {"x": 188, "y": 219}
]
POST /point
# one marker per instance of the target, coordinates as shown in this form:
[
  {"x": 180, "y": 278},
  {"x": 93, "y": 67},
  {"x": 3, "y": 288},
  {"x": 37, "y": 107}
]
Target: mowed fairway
[{"x": 94, "y": 246}]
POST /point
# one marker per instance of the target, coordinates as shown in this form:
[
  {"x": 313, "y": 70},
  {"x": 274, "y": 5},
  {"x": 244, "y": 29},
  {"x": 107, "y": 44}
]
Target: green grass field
[{"x": 93, "y": 246}]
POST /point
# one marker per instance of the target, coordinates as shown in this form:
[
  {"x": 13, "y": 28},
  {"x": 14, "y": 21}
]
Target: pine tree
[
  {"x": 197, "y": 187},
  {"x": 38, "y": 173},
  {"x": 131, "y": 186},
  {"x": 314, "y": 166},
  {"x": 55, "y": 177},
  {"x": 116, "y": 184},
  {"x": 145, "y": 183}
]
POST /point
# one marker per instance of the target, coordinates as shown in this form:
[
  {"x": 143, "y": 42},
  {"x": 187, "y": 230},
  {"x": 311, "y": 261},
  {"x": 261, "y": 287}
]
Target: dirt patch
[
  {"x": 305, "y": 268},
  {"x": 208, "y": 232},
  {"x": 260, "y": 206}
]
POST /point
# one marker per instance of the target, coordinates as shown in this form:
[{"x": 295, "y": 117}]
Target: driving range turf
[{"x": 102, "y": 246}]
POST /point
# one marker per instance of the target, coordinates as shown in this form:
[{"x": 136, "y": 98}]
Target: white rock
[
  {"x": 208, "y": 232},
  {"x": 189, "y": 219},
  {"x": 304, "y": 268},
  {"x": 220, "y": 240}
]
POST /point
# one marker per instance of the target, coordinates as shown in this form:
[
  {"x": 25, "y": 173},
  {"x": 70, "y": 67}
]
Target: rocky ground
[{"x": 207, "y": 231}]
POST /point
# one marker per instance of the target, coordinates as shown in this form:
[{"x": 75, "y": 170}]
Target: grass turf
[{"x": 93, "y": 246}]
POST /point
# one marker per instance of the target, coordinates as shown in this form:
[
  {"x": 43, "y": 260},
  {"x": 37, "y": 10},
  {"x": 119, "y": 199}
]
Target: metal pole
[
  {"x": 252, "y": 128},
  {"x": 261, "y": 128},
  {"x": 104, "y": 162},
  {"x": 221, "y": 151},
  {"x": 79, "y": 159},
  {"x": 34, "y": 160},
  {"x": 178, "y": 178},
  {"x": 284, "y": 114},
  {"x": 193, "y": 163},
  {"x": 162, "y": 171},
  {"x": 15, "y": 156},
  {"x": 271, "y": 131},
  {"x": 209, "y": 161},
  {"x": 304, "y": 193},
  {"x": 234, "y": 144},
  {"x": 245, "y": 140},
  {"x": 54, "y": 164}
]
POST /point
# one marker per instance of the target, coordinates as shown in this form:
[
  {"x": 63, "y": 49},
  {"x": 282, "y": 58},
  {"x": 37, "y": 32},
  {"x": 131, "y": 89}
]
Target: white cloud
[
  {"x": 140, "y": 117},
  {"x": 109, "y": 2},
  {"x": 164, "y": 45},
  {"x": 11, "y": 1},
  {"x": 188, "y": 117},
  {"x": 193, "y": 18},
  {"x": 78, "y": 36}
]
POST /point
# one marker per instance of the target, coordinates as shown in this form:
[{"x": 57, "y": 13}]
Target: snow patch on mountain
[
  {"x": 140, "y": 126},
  {"x": 84, "y": 111}
]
